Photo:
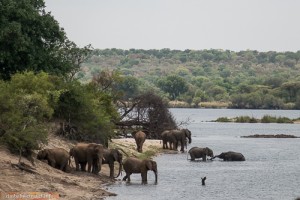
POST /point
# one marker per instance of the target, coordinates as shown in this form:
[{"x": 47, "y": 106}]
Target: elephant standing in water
[
  {"x": 133, "y": 165},
  {"x": 57, "y": 158},
  {"x": 230, "y": 156},
  {"x": 166, "y": 137},
  {"x": 140, "y": 138},
  {"x": 88, "y": 153},
  {"x": 175, "y": 136},
  {"x": 197, "y": 152}
]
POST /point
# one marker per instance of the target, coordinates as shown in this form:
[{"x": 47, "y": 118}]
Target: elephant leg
[
  {"x": 204, "y": 158},
  {"x": 89, "y": 166},
  {"x": 192, "y": 157},
  {"x": 77, "y": 164},
  {"x": 112, "y": 169},
  {"x": 83, "y": 166},
  {"x": 127, "y": 177},
  {"x": 144, "y": 177},
  {"x": 182, "y": 146}
]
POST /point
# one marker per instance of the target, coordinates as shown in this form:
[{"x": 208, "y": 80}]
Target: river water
[{"x": 271, "y": 170}]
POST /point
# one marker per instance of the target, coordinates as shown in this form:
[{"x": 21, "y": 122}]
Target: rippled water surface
[{"x": 271, "y": 169}]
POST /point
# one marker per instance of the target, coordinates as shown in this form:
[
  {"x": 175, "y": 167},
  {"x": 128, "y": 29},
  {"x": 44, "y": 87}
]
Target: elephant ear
[
  {"x": 149, "y": 164},
  {"x": 115, "y": 155}
]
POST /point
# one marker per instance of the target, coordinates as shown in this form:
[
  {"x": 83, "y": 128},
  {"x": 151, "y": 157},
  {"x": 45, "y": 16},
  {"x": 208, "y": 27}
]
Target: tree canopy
[{"x": 31, "y": 39}]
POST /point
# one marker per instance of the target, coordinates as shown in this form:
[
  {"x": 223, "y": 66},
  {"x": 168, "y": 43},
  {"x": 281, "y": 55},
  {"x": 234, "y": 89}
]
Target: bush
[
  {"x": 223, "y": 119},
  {"x": 24, "y": 107}
]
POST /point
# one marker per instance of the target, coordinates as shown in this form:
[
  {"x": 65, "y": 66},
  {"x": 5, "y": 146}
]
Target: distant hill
[{"x": 245, "y": 79}]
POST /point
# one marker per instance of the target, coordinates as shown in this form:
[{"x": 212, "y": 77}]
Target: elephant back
[
  {"x": 132, "y": 165},
  {"x": 193, "y": 149}
]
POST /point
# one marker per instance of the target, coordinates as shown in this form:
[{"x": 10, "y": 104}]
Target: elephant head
[
  {"x": 209, "y": 152},
  {"x": 151, "y": 165},
  {"x": 96, "y": 151},
  {"x": 188, "y": 134},
  {"x": 42, "y": 155}
]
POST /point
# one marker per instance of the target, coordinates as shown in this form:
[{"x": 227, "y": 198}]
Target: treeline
[{"x": 245, "y": 79}]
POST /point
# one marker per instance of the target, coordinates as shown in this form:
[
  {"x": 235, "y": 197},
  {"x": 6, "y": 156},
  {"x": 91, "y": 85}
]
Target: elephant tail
[{"x": 120, "y": 170}]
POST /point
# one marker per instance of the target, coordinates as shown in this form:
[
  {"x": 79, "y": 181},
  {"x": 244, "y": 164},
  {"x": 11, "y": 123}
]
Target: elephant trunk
[
  {"x": 120, "y": 170},
  {"x": 214, "y": 157},
  {"x": 155, "y": 173}
]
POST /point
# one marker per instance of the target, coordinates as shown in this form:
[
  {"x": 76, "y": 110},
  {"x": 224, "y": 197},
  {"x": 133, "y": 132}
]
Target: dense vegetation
[
  {"x": 245, "y": 79},
  {"x": 38, "y": 86}
]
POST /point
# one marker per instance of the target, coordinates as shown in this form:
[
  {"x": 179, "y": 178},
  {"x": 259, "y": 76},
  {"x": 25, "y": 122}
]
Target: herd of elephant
[
  {"x": 174, "y": 137},
  {"x": 95, "y": 155}
]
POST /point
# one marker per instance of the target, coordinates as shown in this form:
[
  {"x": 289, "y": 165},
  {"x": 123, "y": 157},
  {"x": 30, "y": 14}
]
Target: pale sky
[{"x": 263, "y": 25}]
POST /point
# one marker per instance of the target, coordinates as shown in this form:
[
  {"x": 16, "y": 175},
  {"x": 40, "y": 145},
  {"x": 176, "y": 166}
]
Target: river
[{"x": 271, "y": 170}]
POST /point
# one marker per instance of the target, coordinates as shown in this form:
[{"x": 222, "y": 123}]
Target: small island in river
[{"x": 270, "y": 136}]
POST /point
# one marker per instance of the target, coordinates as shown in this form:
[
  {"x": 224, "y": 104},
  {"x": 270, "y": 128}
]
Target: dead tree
[{"x": 148, "y": 113}]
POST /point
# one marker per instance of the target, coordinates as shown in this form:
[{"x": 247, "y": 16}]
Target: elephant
[
  {"x": 230, "y": 156},
  {"x": 197, "y": 152},
  {"x": 58, "y": 158},
  {"x": 88, "y": 153},
  {"x": 177, "y": 136},
  {"x": 109, "y": 157},
  {"x": 134, "y": 165},
  {"x": 167, "y": 138},
  {"x": 140, "y": 138}
]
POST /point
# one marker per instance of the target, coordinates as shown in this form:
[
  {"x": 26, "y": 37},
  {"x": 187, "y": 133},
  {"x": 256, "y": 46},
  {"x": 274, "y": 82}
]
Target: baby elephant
[
  {"x": 197, "y": 152},
  {"x": 231, "y": 156},
  {"x": 133, "y": 165},
  {"x": 57, "y": 158}
]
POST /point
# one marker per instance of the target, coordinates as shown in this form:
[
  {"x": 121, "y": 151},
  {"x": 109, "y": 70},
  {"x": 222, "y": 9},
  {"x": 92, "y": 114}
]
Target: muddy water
[{"x": 271, "y": 169}]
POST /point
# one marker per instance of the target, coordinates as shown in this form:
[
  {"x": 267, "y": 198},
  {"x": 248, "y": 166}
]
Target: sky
[{"x": 236, "y": 25}]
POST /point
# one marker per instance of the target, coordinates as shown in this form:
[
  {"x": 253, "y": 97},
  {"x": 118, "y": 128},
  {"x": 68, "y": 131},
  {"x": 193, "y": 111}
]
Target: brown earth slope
[{"x": 74, "y": 185}]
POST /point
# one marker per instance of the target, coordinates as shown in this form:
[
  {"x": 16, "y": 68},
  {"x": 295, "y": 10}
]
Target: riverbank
[{"x": 70, "y": 186}]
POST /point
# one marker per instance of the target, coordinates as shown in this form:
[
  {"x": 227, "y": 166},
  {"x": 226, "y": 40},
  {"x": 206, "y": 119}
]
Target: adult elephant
[
  {"x": 166, "y": 137},
  {"x": 140, "y": 138},
  {"x": 57, "y": 158},
  {"x": 133, "y": 165},
  {"x": 109, "y": 157},
  {"x": 197, "y": 152},
  {"x": 231, "y": 156},
  {"x": 88, "y": 153},
  {"x": 179, "y": 136}
]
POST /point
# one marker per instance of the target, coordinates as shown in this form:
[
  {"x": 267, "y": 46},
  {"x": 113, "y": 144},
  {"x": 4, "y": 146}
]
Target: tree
[
  {"x": 31, "y": 39},
  {"x": 174, "y": 85},
  {"x": 24, "y": 107},
  {"x": 147, "y": 112}
]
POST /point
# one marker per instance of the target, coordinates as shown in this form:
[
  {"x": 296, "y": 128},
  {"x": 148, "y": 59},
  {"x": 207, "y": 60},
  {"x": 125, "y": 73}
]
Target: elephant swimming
[
  {"x": 230, "y": 156},
  {"x": 57, "y": 158},
  {"x": 88, "y": 153},
  {"x": 197, "y": 152},
  {"x": 133, "y": 165},
  {"x": 140, "y": 138}
]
